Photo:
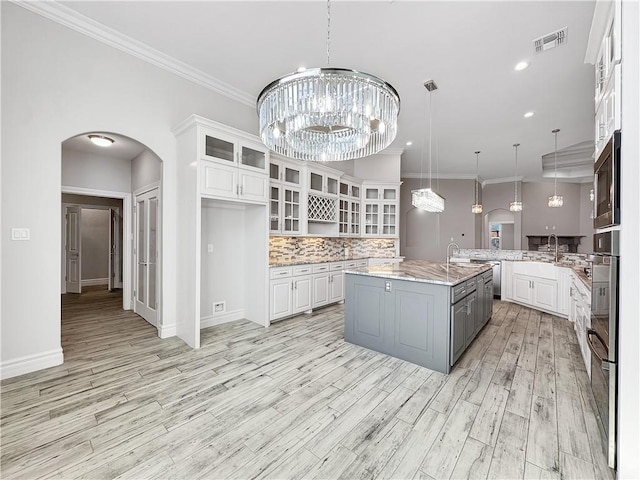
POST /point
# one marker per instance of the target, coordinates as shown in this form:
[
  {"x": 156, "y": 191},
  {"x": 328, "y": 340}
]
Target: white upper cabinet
[
  {"x": 349, "y": 208},
  {"x": 285, "y": 198},
  {"x": 227, "y": 149},
  {"x": 380, "y": 210},
  {"x": 323, "y": 182}
]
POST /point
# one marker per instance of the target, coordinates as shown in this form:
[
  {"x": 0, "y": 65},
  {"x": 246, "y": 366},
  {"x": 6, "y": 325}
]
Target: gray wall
[
  {"x": 145, "y": 170},
  {"x": 89, "y": 200},
  {"x": 87, "y": 170},
  {"x": 426, "y": 235},
  {"x": 95, "y": 244}
]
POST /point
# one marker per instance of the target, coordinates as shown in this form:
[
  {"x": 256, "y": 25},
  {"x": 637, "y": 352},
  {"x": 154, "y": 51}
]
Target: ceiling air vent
[{"x": 550, "y": 40}]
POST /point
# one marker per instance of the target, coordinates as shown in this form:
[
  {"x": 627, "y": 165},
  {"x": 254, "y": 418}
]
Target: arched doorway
[{"x": 124, "y": 176}]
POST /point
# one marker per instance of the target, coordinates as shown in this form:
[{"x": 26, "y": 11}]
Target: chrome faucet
[
  {"x": 449, "y": 255},
  {"x": 556, "y": 244}
]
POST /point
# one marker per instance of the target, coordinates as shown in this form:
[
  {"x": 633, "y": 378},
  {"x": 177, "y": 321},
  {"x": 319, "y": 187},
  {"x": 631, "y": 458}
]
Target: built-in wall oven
[
  {"x": 602, "y": 336},
  {"x": 607, "y": 184}
]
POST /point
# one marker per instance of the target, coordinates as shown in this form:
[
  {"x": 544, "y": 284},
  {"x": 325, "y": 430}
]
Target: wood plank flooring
[{"x": 295, "y": 401}]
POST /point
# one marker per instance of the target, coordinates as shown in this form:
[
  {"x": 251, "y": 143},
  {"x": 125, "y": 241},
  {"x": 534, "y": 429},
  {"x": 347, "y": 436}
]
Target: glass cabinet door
[
  {"x": 389, "y": 219},
  {"x": 344, "y": 217},
  {"x": 291, "y": 220},
  {"x": 292, "y": 175},
  {"x": 354, "y": 221},
  {"x": 371, "y": 194},
  {"x": 389, "y": 194},
  {"x": 274, "y": 209},
  {"x": 219, "y": 149},
  {"x": 371, "y": 215},
  {"x": 274, "y": 171},
  {"x": 315, "y": 182},
  {"x": 253, "y": 158},
  {"x": 332, "y": 185}
]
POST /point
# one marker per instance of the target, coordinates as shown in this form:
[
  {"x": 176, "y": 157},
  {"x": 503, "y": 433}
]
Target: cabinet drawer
[
  {"x": 471, "y": 285},
  {"x": 301, "y": 270},
  {"x": 362, "y": 263},
  {"x": 459, "y": 292},
  {"x": 487, "y": 276},
  {"x": 337, "y": 266},
  {"x": 352, "y": 264},
  {"x": 280, "y": 272},
  {"x": 323, "y": 267}
]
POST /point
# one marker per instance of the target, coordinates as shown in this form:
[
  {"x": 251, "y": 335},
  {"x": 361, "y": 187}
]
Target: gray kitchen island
[{"x": 423, "y": 312}]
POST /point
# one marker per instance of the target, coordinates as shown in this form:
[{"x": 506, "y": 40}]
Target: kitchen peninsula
[{"x": 423, "y": 312}]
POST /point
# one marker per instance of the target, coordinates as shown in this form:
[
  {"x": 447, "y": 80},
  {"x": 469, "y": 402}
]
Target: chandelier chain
[{"x": 328, "y": 32}]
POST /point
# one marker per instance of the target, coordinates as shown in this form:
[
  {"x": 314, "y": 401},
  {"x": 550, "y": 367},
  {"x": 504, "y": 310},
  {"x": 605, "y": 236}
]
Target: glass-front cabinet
[
  {"x": 285, "y": 211},
  {"x": 380, "y": 207},
  {"x": 349, "y": 207},
  {"x": 323, "y": 182},
  {"x": 232, "y": 151}
]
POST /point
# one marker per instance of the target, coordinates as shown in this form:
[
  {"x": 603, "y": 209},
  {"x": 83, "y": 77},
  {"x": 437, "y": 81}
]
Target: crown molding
[
  {"x": 490, "y": 181},
  {"x": 80, "y": 23}
]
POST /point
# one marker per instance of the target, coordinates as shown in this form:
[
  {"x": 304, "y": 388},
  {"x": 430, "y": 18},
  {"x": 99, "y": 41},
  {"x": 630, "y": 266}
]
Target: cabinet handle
[
  {"x": 295, "y": 285},
  {"x": 241, "y": 189},
  {"x": 291, "y": 285}
]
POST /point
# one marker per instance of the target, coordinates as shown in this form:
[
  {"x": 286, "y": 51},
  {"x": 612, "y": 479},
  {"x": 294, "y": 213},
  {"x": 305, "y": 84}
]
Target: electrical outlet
[{"x": 219, "y": 307}]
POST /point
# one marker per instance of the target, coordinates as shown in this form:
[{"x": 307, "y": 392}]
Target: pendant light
[
  {"x": 328, "y": 114},
  {"x": 426, "y": 198},
  {"x": 516, "y": 206},
  {"x": 556, "y": 200},
  {"x": 477, "y": 207}
]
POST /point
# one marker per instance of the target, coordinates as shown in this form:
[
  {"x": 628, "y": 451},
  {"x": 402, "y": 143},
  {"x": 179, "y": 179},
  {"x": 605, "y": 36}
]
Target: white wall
[
  {"x": 145, "y": 170},
  {"x": 95, "y": 244},
  {"x": 382, "y": 167},
  {"x": 86, "y": 170},
  {"x": 53, "y": 88}
]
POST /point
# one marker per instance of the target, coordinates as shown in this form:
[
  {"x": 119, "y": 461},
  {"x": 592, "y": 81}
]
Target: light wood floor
[{"x": 296, "y": 401}]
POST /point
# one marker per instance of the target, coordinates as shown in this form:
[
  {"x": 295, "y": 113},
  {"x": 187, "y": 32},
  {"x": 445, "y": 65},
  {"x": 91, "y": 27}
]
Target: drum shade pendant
[
  {"x": 556, "y": 200},
  {"x": 328, "y": 114},
  {"x": 516, "y": 206},
  {"x": 476, "y": 207},
  {"x": 426, "y": 198}
]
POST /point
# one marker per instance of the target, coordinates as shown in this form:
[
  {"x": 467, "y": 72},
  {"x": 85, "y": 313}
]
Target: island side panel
[{"x": 411, "y": 321}]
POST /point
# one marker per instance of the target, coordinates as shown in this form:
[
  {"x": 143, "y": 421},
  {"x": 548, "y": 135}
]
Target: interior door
[
  {"x": 73, "y": 249},
  {"x": 146, "y": 256}
]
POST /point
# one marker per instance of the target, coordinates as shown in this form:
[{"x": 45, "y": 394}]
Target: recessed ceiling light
[
  {"x": 101, "y": 140},
  {"x": 528, "y": 115},
  {"x": 409, "y": 143},
  {"x": 521, "y": 66},
  {"x": 302, "y": 69}
]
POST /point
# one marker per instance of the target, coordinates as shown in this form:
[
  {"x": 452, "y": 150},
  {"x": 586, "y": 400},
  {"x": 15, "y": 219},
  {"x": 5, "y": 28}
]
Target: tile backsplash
[
  {"x": 290, "y": 248},
  {"x": 577, "y": 259}
]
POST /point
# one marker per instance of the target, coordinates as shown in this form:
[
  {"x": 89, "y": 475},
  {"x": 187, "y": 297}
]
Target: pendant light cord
[
  {"x": 328, "y": 32},
  {"x": 477, "y": 175},
  {"x": 422, "y": 150},
  {"x": 430, "y": 157},
  {"x": 515, "y": 178},
  {"x": 555, "y": 164}
]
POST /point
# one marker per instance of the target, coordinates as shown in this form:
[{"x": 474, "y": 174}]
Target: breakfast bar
[{"x": 424, "y": 312}]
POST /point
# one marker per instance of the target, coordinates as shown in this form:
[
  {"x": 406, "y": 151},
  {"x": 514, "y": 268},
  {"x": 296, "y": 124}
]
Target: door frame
[
  {"x": 127, "y": 234},
  {"x": 159, "y": 263}
]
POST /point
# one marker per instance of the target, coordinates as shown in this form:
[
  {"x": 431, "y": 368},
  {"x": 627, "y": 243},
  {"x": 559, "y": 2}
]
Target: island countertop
[{"x": 424, "y": 271}]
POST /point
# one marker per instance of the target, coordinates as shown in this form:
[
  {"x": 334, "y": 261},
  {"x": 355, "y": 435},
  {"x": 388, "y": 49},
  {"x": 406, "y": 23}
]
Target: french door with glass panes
[{"x": 146, "y": 256}]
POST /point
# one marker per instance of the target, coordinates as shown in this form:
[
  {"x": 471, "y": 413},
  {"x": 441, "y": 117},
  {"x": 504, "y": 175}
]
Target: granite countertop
[
  {"x": 424, "y": 271},
  {"x": 287, "y": 262},
  {"x": 579, "y": 272}
]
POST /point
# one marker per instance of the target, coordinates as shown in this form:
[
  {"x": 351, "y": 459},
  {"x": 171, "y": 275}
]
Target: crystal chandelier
[
  {"x": 476, "y": 207},
  {"x": 516, "y": 206},
  {"x": 556, "y": 200},
  {"x": 328, "y": 114},
  {"x": 426, "y": 198}
]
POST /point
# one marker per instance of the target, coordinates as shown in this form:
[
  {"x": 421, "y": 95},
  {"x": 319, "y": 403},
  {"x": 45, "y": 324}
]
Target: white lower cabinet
[
  {"x": 302, "y": 288},
  {"x": 535, "y": 290}
]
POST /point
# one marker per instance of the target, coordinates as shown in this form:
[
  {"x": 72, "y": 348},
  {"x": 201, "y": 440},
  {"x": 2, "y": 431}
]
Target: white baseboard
[
  {"x": 166, "y": 331},
  {"x": 226, "y": 317},
  {"x": 88, "y": 282},
  {"x": 31, "y": 363}
]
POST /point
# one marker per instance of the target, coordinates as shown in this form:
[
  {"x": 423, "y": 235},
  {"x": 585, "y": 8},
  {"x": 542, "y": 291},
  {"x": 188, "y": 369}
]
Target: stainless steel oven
[
  {"x": 602, "y": 336},
  {"x": 607, "y": 184}
]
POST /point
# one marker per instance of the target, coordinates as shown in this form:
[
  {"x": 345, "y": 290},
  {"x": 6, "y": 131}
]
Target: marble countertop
[
  {"x": 579, "y": 272},
  {"x": 308, "y": 260},
  {"x": 424, "y": 271}
]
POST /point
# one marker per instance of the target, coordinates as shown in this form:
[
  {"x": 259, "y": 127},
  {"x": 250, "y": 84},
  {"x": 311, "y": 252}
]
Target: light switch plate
[{"x": 20, "y": 234}]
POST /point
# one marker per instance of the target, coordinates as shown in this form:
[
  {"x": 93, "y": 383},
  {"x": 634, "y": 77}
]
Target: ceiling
[
  {"x": 469, "y": 49},
  {"x": 124, "y": 148}
]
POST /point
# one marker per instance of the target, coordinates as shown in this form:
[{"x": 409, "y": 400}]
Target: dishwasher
[{"x": 495, "y": 265}]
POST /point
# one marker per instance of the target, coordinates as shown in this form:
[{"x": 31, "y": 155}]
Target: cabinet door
[
  {"x": 372, "y": 193},
  {"x": 336, "y": 287},
  {"x": 219, "y": 180},
  {"x": 522, "y": 286},
  {"x": 389, "y": 219},
  {"x": 275, "y": 201},
  {"x": 292, "y": 175},
  {"x": 488, "y": 298},
  {"x": 564, "y": 294},
  {"x": 320, "y": 290},
  {"x": 458, "y": 322},
  {"x": 316, "y": 182},
  {"x": 470, "y": 324},
  {"x": 253, "y": 187},
  {"x": 480, "y": 303},
  {"x": 219, "y": 148},
  {"x": 254, "y": 157},
  {"x": 332, "y": 185},
  {"x": 354, "y": 218},
  {"x": 545, "y": 294},
  {"x": 291, "y": 211},
  {"x": 301, "y": 294},
  {"x": 343, "y": 217},
  {"x": 371, "y": 218},
  {"x": 280, "y": 298}
]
